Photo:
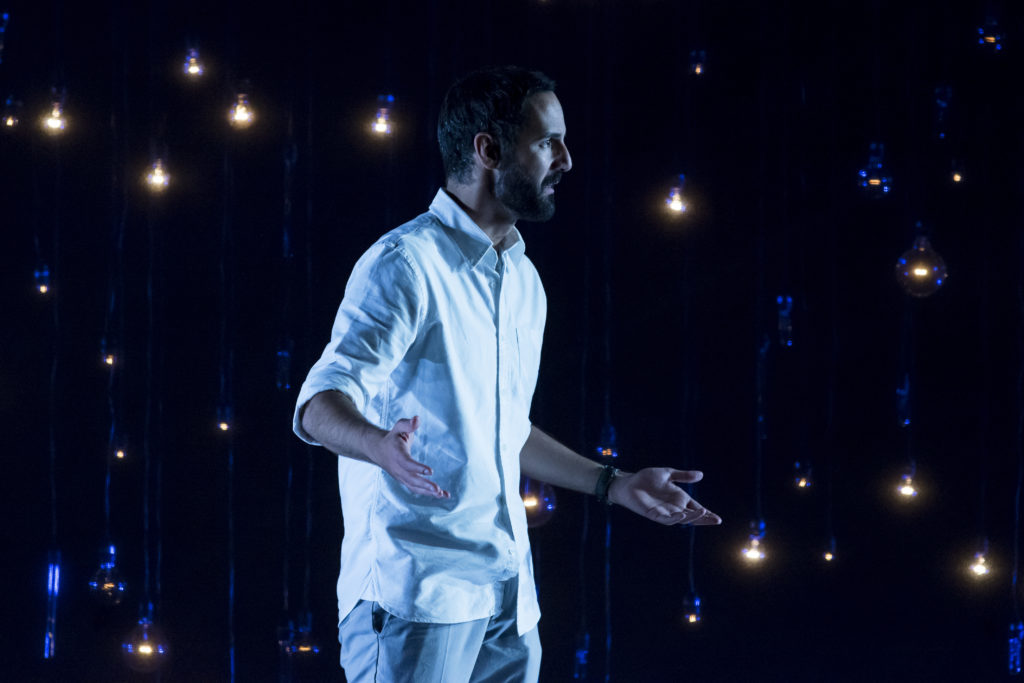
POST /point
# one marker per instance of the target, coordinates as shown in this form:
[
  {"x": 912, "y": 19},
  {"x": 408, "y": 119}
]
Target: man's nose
[{"x": 563, "y": 162}]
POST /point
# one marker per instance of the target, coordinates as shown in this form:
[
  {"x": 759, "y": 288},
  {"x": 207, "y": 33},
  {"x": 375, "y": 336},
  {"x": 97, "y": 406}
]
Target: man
[{"x": 425, "y": 390}]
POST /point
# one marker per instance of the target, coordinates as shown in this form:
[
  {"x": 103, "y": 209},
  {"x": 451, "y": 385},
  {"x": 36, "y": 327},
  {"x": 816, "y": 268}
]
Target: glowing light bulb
[
  {"x": 980, "y": 568},
  {"x": 802, "y": 474},
  {"x": 829, "y": 553},
  {"x": 298, "y": 642},
  {"x": 11, "y": 113},
  {"x": 698, "y": 62},
  {"x": 539, "y": 501},
  {"x": 608, "y": 451},
  {"x": 754, "y": 552},
  {"x": 990, "y": 36},
  {"x": 874, "y": 180},
  {"x": 957, "y": 177},
  {"x": 381, "y": 124},
  {"x": 193, "y": 66},
  {"x": 55, "y": 122},
  {"x": 691, "y": 609},
  {"x": 107, "y": 586},
  {"x": 42, "y": 279},
  {"x": 109, "y": 359},
  {"x": 157, "y": 178},
  {"x": 906, "y": 487},
  {"x": 145, "y": 649},
  {"x": 920, "y": 270},
  {"x": 119, "y": 454},
  {"x": 675, "y": 202},
  {"x": 241, "y": 114}
]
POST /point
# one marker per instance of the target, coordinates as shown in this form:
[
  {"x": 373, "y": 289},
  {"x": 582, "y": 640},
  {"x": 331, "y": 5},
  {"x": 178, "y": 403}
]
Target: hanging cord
[{"x": 1015, "y": 574}]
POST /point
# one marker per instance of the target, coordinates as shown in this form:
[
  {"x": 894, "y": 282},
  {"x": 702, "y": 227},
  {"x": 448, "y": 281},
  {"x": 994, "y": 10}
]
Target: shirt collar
[{"x": 464, "y": 231}]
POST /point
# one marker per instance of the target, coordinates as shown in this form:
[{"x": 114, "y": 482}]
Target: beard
[{"x": 517, "y": 191}]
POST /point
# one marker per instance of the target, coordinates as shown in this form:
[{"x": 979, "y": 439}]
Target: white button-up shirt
[{"x": 435, "y": 322}]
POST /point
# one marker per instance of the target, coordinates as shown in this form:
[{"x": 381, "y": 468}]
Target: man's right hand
[{"x": 393, "y": 453}]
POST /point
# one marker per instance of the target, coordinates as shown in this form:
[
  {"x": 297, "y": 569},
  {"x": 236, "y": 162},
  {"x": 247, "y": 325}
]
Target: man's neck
[{"x": 479, "y": 203}]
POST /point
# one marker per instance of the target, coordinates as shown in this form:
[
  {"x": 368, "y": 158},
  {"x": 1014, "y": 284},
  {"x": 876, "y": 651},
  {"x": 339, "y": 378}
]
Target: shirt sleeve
[{"x": 376, "y": 324}]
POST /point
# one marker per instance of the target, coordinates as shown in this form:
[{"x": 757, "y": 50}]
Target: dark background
[{"x": 660, "y": 320}]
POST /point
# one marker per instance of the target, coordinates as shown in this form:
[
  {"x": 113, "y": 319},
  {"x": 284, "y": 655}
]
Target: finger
[
  {"x": 708, "y": 519},
  {"x": 405, "y": 427},
  {"x": 425, "y": 487},
  {"x": 685, "y": 476}
]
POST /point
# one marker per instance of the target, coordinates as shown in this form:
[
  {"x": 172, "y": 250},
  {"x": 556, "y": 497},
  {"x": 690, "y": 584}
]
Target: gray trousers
[{"x": 378, "y": 647}]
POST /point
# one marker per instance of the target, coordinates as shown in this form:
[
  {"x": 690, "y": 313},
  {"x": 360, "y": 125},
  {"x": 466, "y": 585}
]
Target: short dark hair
[{"x": 490, "y": 100}]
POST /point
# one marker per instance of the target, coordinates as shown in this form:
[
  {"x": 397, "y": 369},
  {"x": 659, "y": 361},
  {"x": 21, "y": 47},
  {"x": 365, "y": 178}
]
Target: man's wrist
[{"x": 604, "y": 483}]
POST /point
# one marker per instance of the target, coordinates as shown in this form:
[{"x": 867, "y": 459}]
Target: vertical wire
[
  {"x": 1015, "y": 575},
  {"x": 606, "y": 261},
  {"x": 309, "y": 217},
  {"x": 225, "y": 393}
]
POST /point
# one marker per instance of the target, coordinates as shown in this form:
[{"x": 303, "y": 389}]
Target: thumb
[
  {"x": 686, "y": 476},
  {"x": 405, "y": 425}
]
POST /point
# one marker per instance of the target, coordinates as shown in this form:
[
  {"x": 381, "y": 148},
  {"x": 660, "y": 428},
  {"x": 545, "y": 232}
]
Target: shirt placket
[{"x": 505, "y": 334}]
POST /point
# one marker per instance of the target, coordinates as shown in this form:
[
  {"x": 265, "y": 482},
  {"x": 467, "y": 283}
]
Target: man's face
[{"x": 525, "y": 183}]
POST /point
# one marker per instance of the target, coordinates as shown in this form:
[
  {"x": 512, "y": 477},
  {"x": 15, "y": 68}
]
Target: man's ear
[{"x": 487, "y": 150}]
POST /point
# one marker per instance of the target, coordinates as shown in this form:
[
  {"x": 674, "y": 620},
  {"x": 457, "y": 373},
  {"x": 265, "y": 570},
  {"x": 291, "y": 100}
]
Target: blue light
[
  {"x": 579, "y": 668},
  {"x": 943, "y": 97},
  {"x": 284, "y": 369},
  {"x": 42, "y": 279},
  {"x": 52, "y": 591},
  {"x": 1016, "y": 636},
  {"x": 785, "y": 306},
  {"x": 903, "y": 402}
]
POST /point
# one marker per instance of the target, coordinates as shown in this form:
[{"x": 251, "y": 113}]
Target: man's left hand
[{"x": 653, "y": 493}]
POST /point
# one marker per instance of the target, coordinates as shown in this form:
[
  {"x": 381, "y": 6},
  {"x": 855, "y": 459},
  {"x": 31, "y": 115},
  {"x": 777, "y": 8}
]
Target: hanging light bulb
[
  {"x": 920, "y": 270},
  {"x": 193, "y": 66},
  {"x": 120, "y": 453},
  {"x": 979, "y": 567},
  {"x": 990, "y": 36},
  {"x": 698, "y": 62},
  {"x": 145, "y": 649},
  {"x": 957, "y": 174},
  {"x": 224, "y": 415},
  {"x": 241, "y": 114},
  {"x": 873, "y": 179},
  {"x": 107, "y": 586},
  {"x": 11, "y": 116},
  {"x": 675, "y": 202},
  {"x": 157, "y": 178},
  {"x": 539, "y": 501},
  {"x": 382, "y": 121},
  {"x": 41, "y": 276},
  {"x": 608, "y": 450},
  {"x": 829, "y": 554},
  {"x": 754, "y": 552},
  {"x": 802, "y": 475},
  {"x": 1016, "y": 638},
  {"x": 297, "y": 642},
  {"x": 691, "y": 609},
  {"x": 55, "y": 122},
  {"x": 52, "y": 593},
  {"x": 906, "y": 488},
  {"x": 785, "y": 311}
]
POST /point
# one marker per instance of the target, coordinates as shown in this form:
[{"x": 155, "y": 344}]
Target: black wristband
[{"x": 604, "y": 482}]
